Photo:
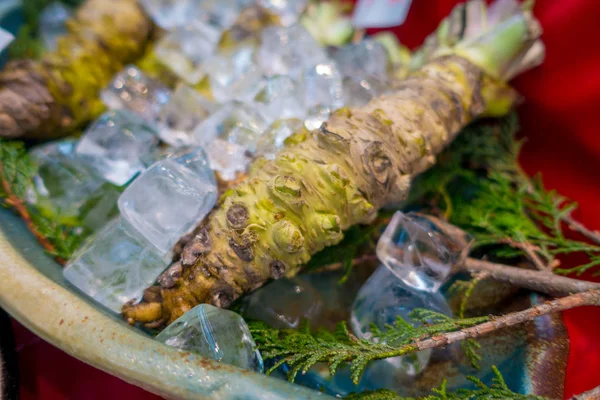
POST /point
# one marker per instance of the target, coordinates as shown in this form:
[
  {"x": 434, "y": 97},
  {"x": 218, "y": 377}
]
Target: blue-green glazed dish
[{"x": 532, "y": 357}]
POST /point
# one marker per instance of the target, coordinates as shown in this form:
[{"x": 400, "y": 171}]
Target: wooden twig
[
  {"x": 589, "y": 298},
  {"x": 579, "y": 228},
  {"x": 17, "y": 204},
  {"x": 593, "y": 394},
  {"x": 530, "y": 251},
  {"x": 539, "y": 281}
]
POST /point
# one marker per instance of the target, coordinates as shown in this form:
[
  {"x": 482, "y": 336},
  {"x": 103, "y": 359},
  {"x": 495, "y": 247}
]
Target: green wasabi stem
[{"x": 398, "y": 53}]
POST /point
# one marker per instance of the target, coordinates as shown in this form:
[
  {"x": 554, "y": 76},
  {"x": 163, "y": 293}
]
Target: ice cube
[
  {"x": 115, "y": 144},
  {"x": 186, "y": 110},
  {"x": 381, "y": 300},
  {"x": 284, "y": 303},
  {"x": 6, "y": 38},
  {"x": 323, "y": 86},
  {"x": 417, "y": 252},
  {"x": 367, "y": 58},
  {"x": 227, "y": 158},
  {"x": 196, "y": 160},
  {"x": 114, "y": 267},
  {"x": 66, "y": 188},
  {"x": 358, "y": 92},
  {"x": 234, "y": 75},
  {"x": 235, "y": 122},
  {"x": 289, "y": 11},
  {"x": 289, "y": 50},
  {"x": 272, "y": 140},
  {"x": 168, "y": 14},
  {"x": 185, "y": 50},
  {"x": 131, "y": 90},
  {"x": 216, "y": 334},
  {"x": 316, "y": 116},
  {"x": 220, "y": 14},
  {"x": 280, "y": 98},
  {"x": 52, "y": 23},
  {"x": 166, "y": 202}
]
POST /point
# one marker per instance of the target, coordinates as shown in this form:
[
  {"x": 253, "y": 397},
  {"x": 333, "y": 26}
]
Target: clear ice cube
[
  {"x": 358, "y": 92},
  {"x": 168, "y": 14},
  {"x": 186, "y": 110},
  {"x": 289, "y": 50},
  {"x": 115, "y": 144},
  {"x": 417, "y": 252},
  {"x": 66, "y": 188},
  {"x": 114, "y": 267},
  {"x": 234, "y": 75},
  {"x": 166, "y": 202},
  {"x": 216, "y": 334},
  {"x": 384, "y": 298},
  {"x": 284, "y": 303},
  {"x": 367, "y": 58},
  {"x": 228, "y": 159},
  {"x": 280, "y": 98},
  {"x": 316, "y": 116},
  {"x": 52, "y": 23},
  {"x": 322, "y": 85},
  {"x": 185, "y": 50},
  {"x": 131, "y": 90},
  {"x": 273, "y": 139},
  {"x": 235, "y": 122},
  {"x": 288, "y": 11},
  {"x": 196, "y": 160},
  {"x": 6, "y": 38}
]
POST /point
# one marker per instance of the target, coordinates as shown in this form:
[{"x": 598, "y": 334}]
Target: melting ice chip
[
  {"x": 380, "y": 301},
  {"x": 235, "y": 122},
  {"x": 289, "y": 50},
  {"x": 417, "y": 252},
  {"x": 323, "y": 86},
  {"x": 361, "y": 60},
  {"x": 5, "y": 39},
  {"x": 186, "y": 110},
  {"x": 114, "y": 267},
  {"x": 131, "y": 90},
  {"x": 227, "y": 158},
  {"x": 273, "y": 139},
  {"x": 289, "y": 11},
  {"x": 214, "y": 333},
  {"x": 234, "y": 75},
  {"x": 168, "y": 201},
  {"x": 280, "y": 98},
  {"x": 115, "y": 144},
  {"x": 185, "y": 49},
  {"x": 284, "y": 303}
]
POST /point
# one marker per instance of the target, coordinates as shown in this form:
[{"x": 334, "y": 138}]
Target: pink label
[{"x": 380, "y": 13}]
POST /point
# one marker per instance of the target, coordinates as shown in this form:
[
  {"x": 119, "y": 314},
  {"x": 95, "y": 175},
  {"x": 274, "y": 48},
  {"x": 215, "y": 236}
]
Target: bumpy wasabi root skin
[
  {"x": 337, "y": 176},
  {"x": 53, "y": 96}
]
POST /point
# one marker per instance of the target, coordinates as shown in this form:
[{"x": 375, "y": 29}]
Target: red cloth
[{"x": 560, "y": 120}]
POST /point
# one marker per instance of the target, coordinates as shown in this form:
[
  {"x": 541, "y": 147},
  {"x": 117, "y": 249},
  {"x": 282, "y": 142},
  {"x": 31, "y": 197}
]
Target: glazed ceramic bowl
[{"x": 32, "y": 289}]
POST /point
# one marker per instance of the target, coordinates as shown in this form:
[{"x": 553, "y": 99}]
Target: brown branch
[
  {"x": 531, "y": 252},
  {"x": 593, "y": 394},
  {"x": 17, "y": 204},
  {"x": 589, "y": 298},
  {"x": 581, "y": 229},
  {"x": 539, "y": 281}
]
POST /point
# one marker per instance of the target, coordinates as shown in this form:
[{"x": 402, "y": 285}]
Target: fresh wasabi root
[
  {"x": 51, "y": 97},
  {"x": 335, "y": 177}
]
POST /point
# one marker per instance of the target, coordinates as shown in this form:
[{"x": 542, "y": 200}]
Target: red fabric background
[{"x": 561, "y": 121}]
